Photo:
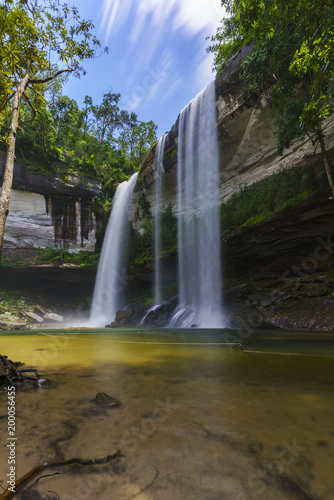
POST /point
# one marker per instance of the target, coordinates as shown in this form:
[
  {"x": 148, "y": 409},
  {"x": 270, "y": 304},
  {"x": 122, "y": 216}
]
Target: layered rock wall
[
  {"x": 50, "y": 212},
  {"x": 247, "y": 144}
]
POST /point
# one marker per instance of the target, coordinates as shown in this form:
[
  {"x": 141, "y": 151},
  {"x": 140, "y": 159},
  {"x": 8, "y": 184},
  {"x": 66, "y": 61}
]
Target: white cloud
[
  {"x": 190, "y": 16},
  {"x": 152, "y": 62},
  {"x": 114, "y": 14}
]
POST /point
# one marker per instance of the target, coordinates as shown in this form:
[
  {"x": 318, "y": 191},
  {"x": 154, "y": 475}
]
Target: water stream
[
  {"x": 199, "y": 249},
  {"x": 110, "y": 280},
  {"x": 158, "y": 160}
]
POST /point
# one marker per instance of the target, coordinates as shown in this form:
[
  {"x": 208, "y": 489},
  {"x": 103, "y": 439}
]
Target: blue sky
[{"x": 157, "y": 58}]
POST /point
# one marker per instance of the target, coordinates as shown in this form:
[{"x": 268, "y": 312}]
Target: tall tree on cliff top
[
  {"x": 30, "y": 30},
  {"x": 294, "y": 51}
]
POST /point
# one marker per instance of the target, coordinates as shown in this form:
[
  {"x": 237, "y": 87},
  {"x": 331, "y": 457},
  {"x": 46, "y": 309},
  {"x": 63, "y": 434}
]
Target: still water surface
[{"x": 199, "y": 419}]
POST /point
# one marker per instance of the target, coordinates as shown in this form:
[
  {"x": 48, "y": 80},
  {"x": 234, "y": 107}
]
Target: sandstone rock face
[
  {"x": 47, "y": 212},
  {"x": 11, "y": 322},
  {"x": 247, "y": 144}
]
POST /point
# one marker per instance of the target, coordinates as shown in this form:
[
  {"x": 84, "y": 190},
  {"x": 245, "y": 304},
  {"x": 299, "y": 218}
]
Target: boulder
[
  {"x": 34, "y": 317},
  {"x": 10, "y": 322},
  {"x": 53, "y": 317},
  {"x": 123, "y": 316}
]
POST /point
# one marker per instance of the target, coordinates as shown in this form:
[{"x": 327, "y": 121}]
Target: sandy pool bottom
[{"x": 198, "y": 419}]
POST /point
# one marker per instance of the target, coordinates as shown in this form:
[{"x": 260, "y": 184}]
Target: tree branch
[
  {"x": 47, "y": 79},
  {"x": 32, "y": 109},
  {"x": 24, "y": 479},
  {"x": 5, "y": 101}
]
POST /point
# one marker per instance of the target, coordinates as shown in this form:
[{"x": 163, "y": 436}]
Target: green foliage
[
  {"x": 141, "y": 246},
  {"x": 65, "y": 140},
  {"x": 294, "y": 54},
  {"x": 253, "y": 203},
  {"x": 11, "y": 302},
  {"x": 168, "y": 231},
  {"x": 144, "y": 205},
  {"x": 6, "y": 261},
  {"x": 55, "y": 136},
  {"x": 83, "y": 259},
  {"x": 228, "y": 39},
  {"x": 29, "y": 32}
]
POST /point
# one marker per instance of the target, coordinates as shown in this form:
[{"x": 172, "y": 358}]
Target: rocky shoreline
[{"x": 43, "y": 296}]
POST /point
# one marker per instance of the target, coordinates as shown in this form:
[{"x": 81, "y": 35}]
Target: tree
[
  {"x": 136, "y": 137},
  {"x": 30, "y": 30},
  {"x": 294, "y": 51},
  {"x": 106, "y": 116}
]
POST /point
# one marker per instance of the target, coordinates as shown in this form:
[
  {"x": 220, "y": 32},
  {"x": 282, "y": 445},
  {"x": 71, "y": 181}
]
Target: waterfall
[
  {"x": 199, "y": 249},
  {"x": 158, "y": 160},
  {"x": 110, "y": 280}
]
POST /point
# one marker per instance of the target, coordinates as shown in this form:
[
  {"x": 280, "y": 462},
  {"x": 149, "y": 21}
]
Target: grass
[
  {"x": 83, "y": 259},
  {"x": 11, "y": 302},
  {"x": 259, "y": 201}
]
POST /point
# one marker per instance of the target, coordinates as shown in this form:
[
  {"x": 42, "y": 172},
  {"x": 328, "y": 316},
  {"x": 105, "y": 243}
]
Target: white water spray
[
  {"x": 199, "y": 249},
  {"x": 158, "y": 159},
  {"x": 110, "y": 280}
]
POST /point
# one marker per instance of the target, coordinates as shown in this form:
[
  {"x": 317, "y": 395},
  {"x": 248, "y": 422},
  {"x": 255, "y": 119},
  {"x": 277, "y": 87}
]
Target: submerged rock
[
  {"x": 255, "y": 447},
  {"x": 106, "y": 401},
  {"x": 42, "y": 382}
]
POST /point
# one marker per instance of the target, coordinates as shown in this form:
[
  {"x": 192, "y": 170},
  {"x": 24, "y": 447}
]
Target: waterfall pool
[{"x": 199, "y": 417}]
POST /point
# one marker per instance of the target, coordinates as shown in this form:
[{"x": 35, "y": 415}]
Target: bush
[
  {"x": 141, "y": 247},
  {"x": 253, "y": 203},
  {"x": 84, "y": 259}
]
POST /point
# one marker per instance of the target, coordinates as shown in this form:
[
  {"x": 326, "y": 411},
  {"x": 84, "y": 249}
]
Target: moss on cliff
[
  {"x": 249, "y": 206},
  {"x": 141, "y": 247},
  {"x": 256, "y": 202}
]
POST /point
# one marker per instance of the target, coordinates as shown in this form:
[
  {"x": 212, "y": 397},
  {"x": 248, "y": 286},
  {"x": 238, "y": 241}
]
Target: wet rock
[
  {"x": 106, "y": 401},
  {"x": 122, "y": 317},
  {"x": 254, "y": 297},
  {"x": 34, "y": 317},
  {"x": 162, "y": 319},
  {"x": 322, "y": 443},
  {"x": 304, "y": 468},
  {"x": 308, "y": 314},
  {"x": 42, "y": 382},
  {"x": 11, "y": 322},
  {"x": 160, "y": 315},
  {"x": 127, "y": 318},
  {"x": 31, "y": 495},
  {"x": 53, "y": 317},
  {"x": 255, "y": 447},
  {"x": 40, "y": 310}
]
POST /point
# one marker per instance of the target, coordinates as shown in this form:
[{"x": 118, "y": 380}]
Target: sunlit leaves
[{"x": 293, "y": 52}]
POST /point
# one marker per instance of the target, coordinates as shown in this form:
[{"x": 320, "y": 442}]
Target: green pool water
[{"x": 199, "y": 419}]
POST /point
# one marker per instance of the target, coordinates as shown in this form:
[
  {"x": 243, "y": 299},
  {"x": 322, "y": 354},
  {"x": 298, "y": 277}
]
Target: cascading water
[
  {"x": 158, "y": 160},
  {"x": 110, "y": 280},
  {"x": 199, "y": 249}
]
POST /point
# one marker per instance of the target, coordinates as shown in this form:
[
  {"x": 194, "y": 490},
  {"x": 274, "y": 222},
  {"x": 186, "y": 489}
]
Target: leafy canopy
[
  {"x": 31, "y": 31},
  {"x": 293, "y": 53}
]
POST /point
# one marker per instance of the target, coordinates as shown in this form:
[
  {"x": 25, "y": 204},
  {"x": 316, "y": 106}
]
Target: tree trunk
[
  {"x": 325, "y": 160},
  {"x": 9, "y": 167}
]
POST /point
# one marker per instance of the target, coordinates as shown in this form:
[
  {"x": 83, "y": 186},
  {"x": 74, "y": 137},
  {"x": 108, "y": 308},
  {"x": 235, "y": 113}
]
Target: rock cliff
[
  {"x": 50, "y": 211},
  {"x": 247, "y": 144},
  {"x": 280, "y": 270}
]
